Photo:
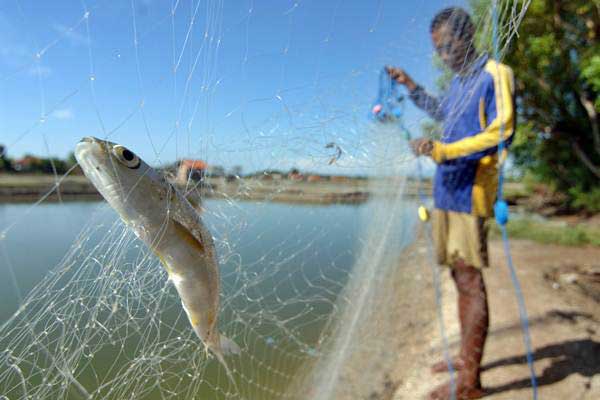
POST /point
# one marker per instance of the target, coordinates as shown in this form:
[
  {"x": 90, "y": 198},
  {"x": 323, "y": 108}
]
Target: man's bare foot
[
  {"x": 463, "y": 392},
  {"x": 442, "y": 366}
]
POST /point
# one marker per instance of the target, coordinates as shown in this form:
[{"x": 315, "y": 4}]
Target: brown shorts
[{"x": 460, "y": 236}]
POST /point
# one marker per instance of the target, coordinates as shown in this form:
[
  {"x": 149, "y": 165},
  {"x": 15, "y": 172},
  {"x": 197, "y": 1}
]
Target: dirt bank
[
  {"x": 31, "y": 188},
  {"x": 561, "y": 286}
]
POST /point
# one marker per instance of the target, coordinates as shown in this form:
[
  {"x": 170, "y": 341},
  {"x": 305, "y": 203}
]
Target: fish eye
[{"x": 126, "y": 157}]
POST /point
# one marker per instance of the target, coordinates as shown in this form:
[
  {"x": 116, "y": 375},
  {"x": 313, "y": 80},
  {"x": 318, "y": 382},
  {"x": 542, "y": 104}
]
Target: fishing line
[
  {"x": 389, "y": 107},
  {"x": 501, "y": 212}
]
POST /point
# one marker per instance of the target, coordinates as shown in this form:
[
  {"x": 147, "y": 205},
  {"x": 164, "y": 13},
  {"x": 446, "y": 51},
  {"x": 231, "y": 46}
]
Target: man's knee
[{"x": 469, "y": 280}]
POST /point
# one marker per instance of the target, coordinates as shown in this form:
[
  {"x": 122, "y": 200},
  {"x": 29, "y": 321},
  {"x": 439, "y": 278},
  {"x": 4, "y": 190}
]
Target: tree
[
  {"x": 216, "y": 171},
  {"x": 5, "y": 162},
  {"x": 556, "y": 60},
  {"x": 71, "y": 160},
  {"x": 237, "y": 171}
]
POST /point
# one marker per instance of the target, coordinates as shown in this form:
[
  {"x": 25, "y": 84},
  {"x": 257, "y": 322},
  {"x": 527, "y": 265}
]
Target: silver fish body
[{"x": 168, "y": 224}]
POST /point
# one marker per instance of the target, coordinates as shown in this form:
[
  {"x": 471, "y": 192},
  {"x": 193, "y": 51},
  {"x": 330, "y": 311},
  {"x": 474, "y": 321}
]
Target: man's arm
[
  {"x": 418, "y": 95},
  {"x": 486, "y": 142},
  {"x": 427, "y": 103}
]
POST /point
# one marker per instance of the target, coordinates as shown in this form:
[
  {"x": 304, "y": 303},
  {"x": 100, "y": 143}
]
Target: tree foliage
[
  {"x": 5, "y": 162},
  {"x": 32, "y": 164},
  {"x": 556, "y": 60}
]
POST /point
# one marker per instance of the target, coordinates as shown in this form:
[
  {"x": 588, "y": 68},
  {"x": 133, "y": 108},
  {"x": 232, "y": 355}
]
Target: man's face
[{"x": 452, "y": 50}]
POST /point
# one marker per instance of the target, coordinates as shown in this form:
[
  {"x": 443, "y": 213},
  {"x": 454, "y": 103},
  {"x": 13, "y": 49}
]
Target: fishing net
[{"x": 328, "y": 295}]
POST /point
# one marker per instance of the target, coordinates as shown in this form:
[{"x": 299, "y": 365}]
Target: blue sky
[{"x": 261, "y": 84}]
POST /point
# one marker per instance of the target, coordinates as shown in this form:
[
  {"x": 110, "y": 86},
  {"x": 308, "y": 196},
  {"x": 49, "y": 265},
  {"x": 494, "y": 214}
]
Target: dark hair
[{"x": 459, "y": 21}]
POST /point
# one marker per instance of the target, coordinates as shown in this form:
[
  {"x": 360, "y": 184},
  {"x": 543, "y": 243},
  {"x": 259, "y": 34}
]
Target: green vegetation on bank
[
  {"x": 556, "y": 61},
  {"x": 550, "y": 232},
  {"x": 35, "y": 165}
]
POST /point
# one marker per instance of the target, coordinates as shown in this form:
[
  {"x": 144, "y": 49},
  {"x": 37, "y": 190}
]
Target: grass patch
[
  {"x": 550, "y": 232},
  {"x": 515, "y": 190}
]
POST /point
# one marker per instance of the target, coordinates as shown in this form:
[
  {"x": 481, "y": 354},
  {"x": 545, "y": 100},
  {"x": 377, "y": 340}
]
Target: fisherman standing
[{"x": 475, "y": 112}]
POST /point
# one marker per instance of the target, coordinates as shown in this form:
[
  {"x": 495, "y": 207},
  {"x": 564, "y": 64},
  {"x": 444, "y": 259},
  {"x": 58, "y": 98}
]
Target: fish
[
  {"x": 338, "y": 152},
  {"x": 168, "y": 224}
]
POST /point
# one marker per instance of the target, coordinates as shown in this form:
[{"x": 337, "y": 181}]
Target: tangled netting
[{"x": 321, "y": 299}]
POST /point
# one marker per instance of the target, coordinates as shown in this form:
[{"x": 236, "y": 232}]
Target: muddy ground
[{"x": 561, "y": 286}]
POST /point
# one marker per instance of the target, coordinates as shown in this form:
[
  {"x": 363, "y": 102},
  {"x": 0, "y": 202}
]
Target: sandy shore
[{"x": 559, "y": 284}]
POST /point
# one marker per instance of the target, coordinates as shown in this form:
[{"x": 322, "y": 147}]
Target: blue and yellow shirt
[{"x": 477, "y": 107}]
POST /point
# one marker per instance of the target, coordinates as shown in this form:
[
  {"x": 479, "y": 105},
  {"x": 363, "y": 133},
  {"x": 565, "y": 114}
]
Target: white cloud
[{"x": 63, "y": 113}]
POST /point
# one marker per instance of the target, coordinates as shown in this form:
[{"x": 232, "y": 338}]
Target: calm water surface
[
  {"x": 258, "y": 233},
  {"x": 289, "y": 260}
]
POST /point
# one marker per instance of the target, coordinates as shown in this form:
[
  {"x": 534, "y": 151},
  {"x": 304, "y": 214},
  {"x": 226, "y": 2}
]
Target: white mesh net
[{"x": 322, "y": 299}]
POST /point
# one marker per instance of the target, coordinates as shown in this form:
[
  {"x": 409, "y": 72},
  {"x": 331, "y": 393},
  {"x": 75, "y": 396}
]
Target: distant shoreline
[{"x": 27, "y": 188}]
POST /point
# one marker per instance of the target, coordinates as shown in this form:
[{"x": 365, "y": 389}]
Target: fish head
[{"x": 134, "y": 189}]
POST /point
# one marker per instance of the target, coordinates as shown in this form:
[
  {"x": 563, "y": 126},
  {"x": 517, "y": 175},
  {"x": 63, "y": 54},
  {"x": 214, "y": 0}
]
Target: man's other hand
[
  {"x": 401, "y": 77},
  {"x": 421, "y": 146}
]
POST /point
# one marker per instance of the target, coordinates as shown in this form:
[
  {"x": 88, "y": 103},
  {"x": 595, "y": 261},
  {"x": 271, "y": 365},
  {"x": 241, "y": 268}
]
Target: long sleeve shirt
[{"x": 476, "y": 112}]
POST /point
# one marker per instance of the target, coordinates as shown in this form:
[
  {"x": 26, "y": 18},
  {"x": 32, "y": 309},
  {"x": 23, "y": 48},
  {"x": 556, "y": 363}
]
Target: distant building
[
  {"x": 27, "y": 163},
  {"x": 295, "y": 175},
  {"x": 191, "y": 169},
  {"x": 271, "y": 175},
  {"x": 314, "y": 178}
]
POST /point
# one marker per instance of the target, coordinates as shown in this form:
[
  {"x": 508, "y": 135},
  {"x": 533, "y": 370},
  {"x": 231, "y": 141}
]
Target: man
[{"x": 476, "y": 111}]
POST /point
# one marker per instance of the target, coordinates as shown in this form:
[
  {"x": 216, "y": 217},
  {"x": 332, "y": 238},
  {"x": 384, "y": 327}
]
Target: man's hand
[
  {"x": 421, "y": 146},
  {"x": 401, "y": 77}
]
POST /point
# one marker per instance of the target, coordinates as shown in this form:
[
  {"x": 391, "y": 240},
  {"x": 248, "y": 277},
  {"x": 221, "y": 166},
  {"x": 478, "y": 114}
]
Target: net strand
[
  {"x": 524, "y": 319},
  {"x": 106, "y": 315}
]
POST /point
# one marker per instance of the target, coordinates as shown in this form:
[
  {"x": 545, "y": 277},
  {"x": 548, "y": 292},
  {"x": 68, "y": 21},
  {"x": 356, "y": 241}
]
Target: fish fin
[
  {"x": 228, "y": 346},
  {"x": 195, "y": 241},
  {"x": 190, "y": 226}
]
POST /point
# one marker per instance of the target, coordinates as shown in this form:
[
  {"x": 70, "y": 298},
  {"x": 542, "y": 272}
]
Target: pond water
[{"x": 282, "y": 268}]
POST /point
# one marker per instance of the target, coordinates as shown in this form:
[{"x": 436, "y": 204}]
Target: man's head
[{"x": 452, "y": 32}]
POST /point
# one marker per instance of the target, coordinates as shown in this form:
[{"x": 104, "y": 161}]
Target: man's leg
[
  {"x": 457, "y": 361},
  {"x": 473, "y": 314}
]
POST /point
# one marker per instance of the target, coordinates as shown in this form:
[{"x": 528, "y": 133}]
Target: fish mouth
[
  {"x": 105, "y": 144},
  {"x": 92, "y": 153},
  {"x": 93, "y": 147},
  {"x": 86, "y": 147},
  {"x": 88, "y": 139},
  {"x": 94, "y": 158}
]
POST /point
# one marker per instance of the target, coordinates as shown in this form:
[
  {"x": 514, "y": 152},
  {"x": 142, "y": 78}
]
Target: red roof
[
  {"x": 27, "y": 161},
  {"x": 194, "y": 164}
]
